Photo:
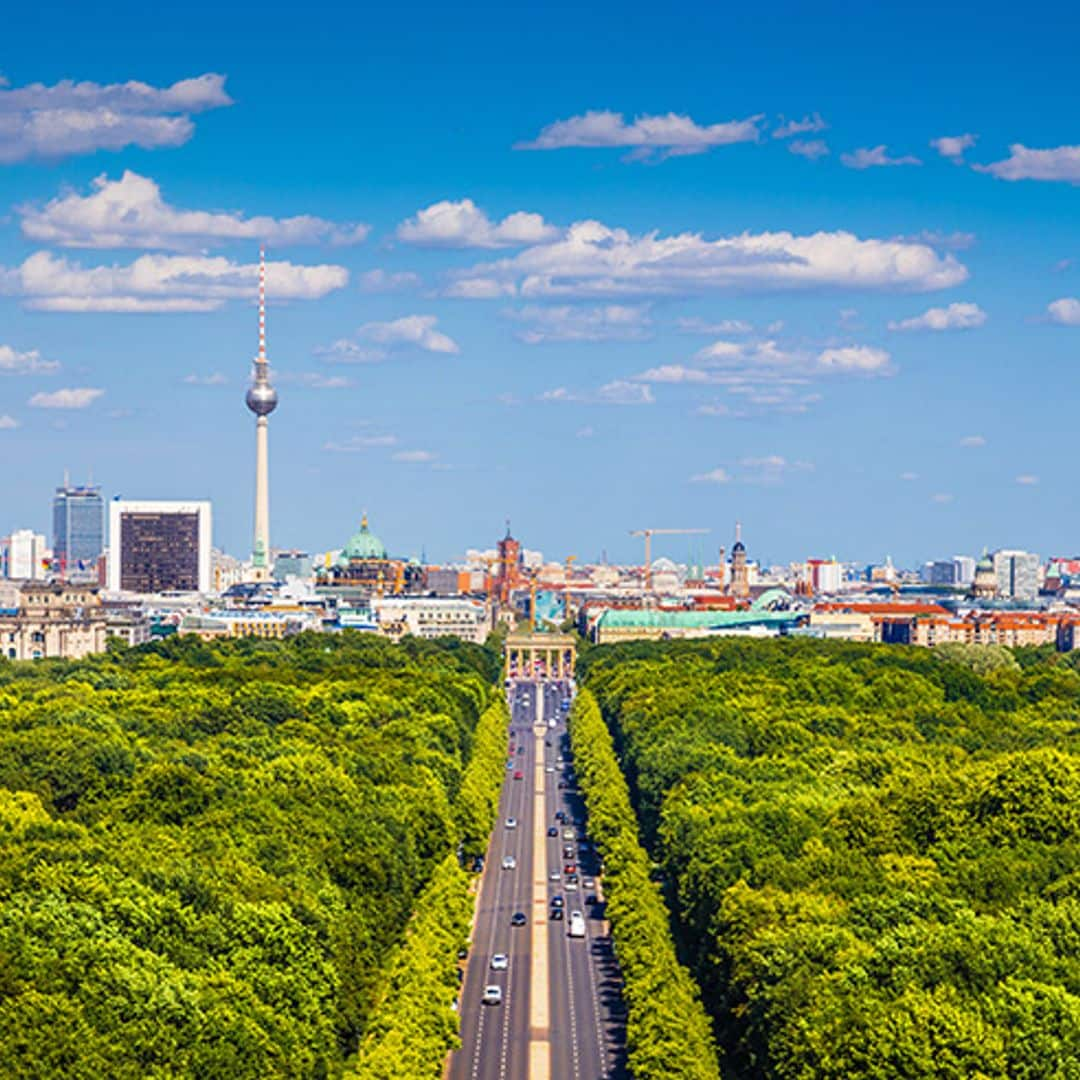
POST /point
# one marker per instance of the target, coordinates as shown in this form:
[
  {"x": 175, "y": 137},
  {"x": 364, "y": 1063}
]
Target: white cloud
[
  {"x": 855, "y": 358},
  {"x": 696, "y": 325},
  {"x": 28, "y": 362},
  {"x": 909, "y": 476},
  {"x": 8, "y": 423},
  {"x": 619, "y": 392},
  {"x": 214, "y": 379},
  {"x": 586, "y": 432},
  {"x": 382, "y": 281},
  {"x": 130, "y": 213},
  {"x": 1060, "y": 163},
  {"x": 964, "y": 316},
  {"x": 347, "y": 351},
  {"x": 973, "y": 442},
  {"x": 51, "y": 122},
  {"x": 69, "y": 398},
  {"x": 771, "y": 469},
  {"x": 464, "y": 225},
  {"x": 315, "y": 380},
  {"x": 953, "y": 146},
  {"x": 1065, "y": 311},
  {"x": 674, "y": 373},
  {"x": 806, "y": 126},
  {"x": 358, "y": 443},
  {"x": 1027, "y": 480},
  {"x": 942, "y": 498},
  {"x": 609, "y": 322},
  {"x": 411, "y": 330},
  {"x": 160, "y": 283},
  {"x": 414, "y": 457},
  {"x": 954, "y": 241},
  {"x": 713, "y": 476},
  {"x": 594, "y": 260},
  {"x": 875, "y": 157},
  {"x": 809, "y": 148},
  {"x": 671, "y": 134}
]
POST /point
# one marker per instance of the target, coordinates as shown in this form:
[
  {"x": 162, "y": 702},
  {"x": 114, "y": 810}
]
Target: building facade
[
  {"x": 433, "y": 617},
  {"x": 25, "y": 555},
  {"x": 157, "y": 547},
  {"x": 78, "y": 530},
  {"x": 1017, "y": 574},
  {"x": 43, "y": 620}
]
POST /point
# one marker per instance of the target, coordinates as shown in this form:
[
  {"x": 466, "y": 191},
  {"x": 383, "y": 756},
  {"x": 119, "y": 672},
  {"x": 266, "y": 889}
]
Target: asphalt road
[{"x": 561, "y": 1015}]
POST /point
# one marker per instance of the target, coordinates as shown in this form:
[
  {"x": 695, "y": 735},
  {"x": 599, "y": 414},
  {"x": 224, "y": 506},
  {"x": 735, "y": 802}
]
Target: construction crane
[{"x": 649, "y": 534}]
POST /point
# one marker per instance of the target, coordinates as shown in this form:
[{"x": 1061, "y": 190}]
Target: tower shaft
[{"x": 260, "y": 556}]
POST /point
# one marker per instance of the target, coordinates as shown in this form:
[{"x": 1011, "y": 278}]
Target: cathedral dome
[{"x": 362, "y": 545}]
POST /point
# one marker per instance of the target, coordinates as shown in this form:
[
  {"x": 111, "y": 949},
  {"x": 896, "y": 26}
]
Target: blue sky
[{"x": 669, "y": 312}]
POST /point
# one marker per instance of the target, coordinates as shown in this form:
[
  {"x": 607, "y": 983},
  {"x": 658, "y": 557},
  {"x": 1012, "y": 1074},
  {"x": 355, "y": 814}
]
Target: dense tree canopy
[
  {"x": 207, "y": 852},
  {"x": 873, "y": 853}
]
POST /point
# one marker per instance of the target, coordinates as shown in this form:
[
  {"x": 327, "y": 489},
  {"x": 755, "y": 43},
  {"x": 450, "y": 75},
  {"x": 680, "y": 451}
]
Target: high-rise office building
[
  {"x": 965, "y": 569},
  {"x": 1017, "y": 574},
  {"x": 25, "y": 553},
  {"x": 159, "y": 546},
  {"x": 78, "y": 530}
]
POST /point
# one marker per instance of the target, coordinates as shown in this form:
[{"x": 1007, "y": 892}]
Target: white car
[
  {"x": 500, "y": 962},
  {"x": 568, "y": 834},
  {"x": 509, "y": 862},
  {"x": 571, "y": 886},
  {"x": 492, "y": 995},
  {"x": 588, "y": 883},
  {"x": 554, "y": 875},
  {"x": 577, "y": 924},
  {"x": 550, "y": 768},
  {"x": 511, "y": 822}
]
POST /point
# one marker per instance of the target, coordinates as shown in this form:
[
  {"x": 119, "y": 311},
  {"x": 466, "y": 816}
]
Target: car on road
[
  {"x": 554, "y": 875},
  {"x": 568, "y": 834},
  {"x": 511, "y": 822},
  {"x": 500, "y": 962},
  {"x": 577, "y": 924},
  {"x": 571, "y": 886},
  {"x": 509, "y": 862},
  {"x": 556, "y": 901},
  {"x": 518, "y": 919},
  {"x": 549, "y": 768},
  {"x": 588, "y": 883},
  {"x": 553, "y": 831},
  {"x": 521, "y": 749},
  {"x": 492, "y": 995},
  {"x": 560, "y": 815},
  {"x": 556, "y": 914},
  {"x": 518, "y": 775},
  {"x": 570, "y": 868}
]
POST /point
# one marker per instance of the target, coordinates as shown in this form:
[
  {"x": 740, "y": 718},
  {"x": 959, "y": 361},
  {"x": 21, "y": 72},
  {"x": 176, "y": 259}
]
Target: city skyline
[{"x": 588, "y": 306}]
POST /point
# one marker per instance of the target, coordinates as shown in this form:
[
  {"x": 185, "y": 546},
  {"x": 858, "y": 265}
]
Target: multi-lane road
[{"x": 561, "y": 1011}]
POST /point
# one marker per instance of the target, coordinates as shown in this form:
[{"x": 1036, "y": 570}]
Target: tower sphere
[{"x": 261, "y": 399}]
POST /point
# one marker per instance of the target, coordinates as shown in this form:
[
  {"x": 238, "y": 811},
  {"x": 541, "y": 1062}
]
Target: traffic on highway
[{"x": 541, "y": 994}]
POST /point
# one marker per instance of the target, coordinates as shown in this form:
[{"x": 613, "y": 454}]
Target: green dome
[
  {"x": 362, "y": 545},
  {"x": 985, "y": 563}
]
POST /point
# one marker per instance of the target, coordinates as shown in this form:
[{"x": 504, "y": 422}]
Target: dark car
[
  {"x": 478, "y": 864},
  {"x": 518, "y": 919},
  {"x": 556, "y": 914},
  {"x": 560, "y": 815},
  {"x": 521, "y": 749},
  {"x": 553, "y": 831},
  {"x": 562, "y": 784},
  {"x": 556, "y": 901}
]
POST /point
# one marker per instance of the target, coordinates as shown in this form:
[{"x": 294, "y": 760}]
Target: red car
[
  {"x": 518, "y": 775},
  {"x": 569, "y": 868}
]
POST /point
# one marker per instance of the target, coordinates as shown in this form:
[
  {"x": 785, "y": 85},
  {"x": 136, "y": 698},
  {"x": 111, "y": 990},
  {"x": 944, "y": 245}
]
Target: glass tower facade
[{"x": 78, "y": 529}]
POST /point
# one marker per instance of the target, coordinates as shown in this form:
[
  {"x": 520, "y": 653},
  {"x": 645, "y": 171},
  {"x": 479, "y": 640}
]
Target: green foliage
[
  {"x": 414, "y": 1027},
  {"x": 668, "y": 1036},
  {"x": 873, "y": 852},
  {"x": 208, "y": 853}
]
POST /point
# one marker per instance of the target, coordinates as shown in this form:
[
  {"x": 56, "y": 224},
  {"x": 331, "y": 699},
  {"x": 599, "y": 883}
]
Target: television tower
[{"x": 262, "y": 401}]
